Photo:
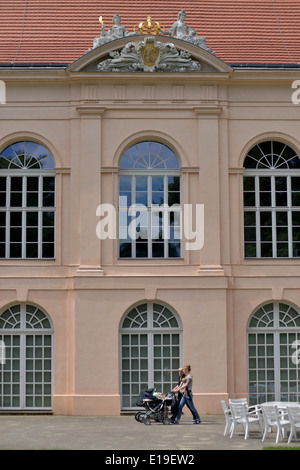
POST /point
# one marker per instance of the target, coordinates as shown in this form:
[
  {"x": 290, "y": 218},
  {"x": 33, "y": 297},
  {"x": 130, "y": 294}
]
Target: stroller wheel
[
  {"x": 159, "y": 417},
  {"x": 146, "y": 421},
  {"x": 137, "y": 415}
]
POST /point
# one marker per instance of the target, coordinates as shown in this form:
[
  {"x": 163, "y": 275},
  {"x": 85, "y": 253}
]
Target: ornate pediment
[
  {"x": 149, "y": 55},
  {"x": 149, "y": 48}
]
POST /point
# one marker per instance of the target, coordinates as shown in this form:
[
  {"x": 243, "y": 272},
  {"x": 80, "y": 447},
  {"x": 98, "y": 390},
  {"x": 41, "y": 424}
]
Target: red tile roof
[{"x": 239, "y": 31}]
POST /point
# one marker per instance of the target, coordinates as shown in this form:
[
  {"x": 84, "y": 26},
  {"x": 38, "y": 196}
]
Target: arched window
[
  {"x": 149, "y": 202},
  {"x": 150, "y": 351},
  {"x": 272, "y": 201},
  {"x": 26, "y": 336},
  {"x": 273, "y": 354},
  {"x": 27, "y": 201}
]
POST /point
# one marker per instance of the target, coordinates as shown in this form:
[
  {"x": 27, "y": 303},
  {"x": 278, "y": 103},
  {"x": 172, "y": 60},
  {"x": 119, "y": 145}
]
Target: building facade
[{"x": 100, "y": 299}]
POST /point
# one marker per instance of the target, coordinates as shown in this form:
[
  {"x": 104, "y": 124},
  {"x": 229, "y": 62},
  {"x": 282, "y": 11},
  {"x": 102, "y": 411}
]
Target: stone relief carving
[
  {"x": 179, "y": 30},
  {"x": 149, "y": 55}
]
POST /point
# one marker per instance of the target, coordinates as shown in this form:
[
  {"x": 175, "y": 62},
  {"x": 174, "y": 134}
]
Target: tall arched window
[
  {"x": 150, "y": 340},
  {"x": 272, "y": 201},
  {"x": 149, "y": 202},
  {"x": 27, "y": 201},
  {"x": 26, "y": 336},
  {"x": 273, "y": 354}
]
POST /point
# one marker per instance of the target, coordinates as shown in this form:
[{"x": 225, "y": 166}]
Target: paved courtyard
[{"x": 36, "y": 432}]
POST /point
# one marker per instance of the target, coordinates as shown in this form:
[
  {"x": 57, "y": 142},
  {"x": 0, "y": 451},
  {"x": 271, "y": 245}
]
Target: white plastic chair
[
  {"x": 255, "y": 408},
  {"x": 294, "y": 417},
  {"x": 228, "y": 417},
  {"x": 273, "y": 417},
  {"x": 241, "y": 415},
  {"x": 244, "y": 400},
  {"x": 238, "y": 400}
]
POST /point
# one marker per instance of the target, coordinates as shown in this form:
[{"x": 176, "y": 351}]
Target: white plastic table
[{"x": 282, "y": 405}]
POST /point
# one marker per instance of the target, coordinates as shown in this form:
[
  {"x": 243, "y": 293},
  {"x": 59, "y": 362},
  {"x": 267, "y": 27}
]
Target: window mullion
[
  {"x": 166, "y": 217},
  {"x": 273, "y": 217},
  {"x": 151, "y": 344},
  {"x": 40, "y": 216},
  {"x": 165, "y": 222},
  {"x": 149, "y": 221},
  {"x": 22, "y": 356},
  {"x": 274, "y": 234},
  {"x": 24, "y": 204},
  {"x": 276, "y": 365},
  {"x": 22, "y": 370},
  {"x": 7, "y": 234},
  {"x": 165, "y": 189},
  {"x": 289, "y": 216},
  {"x": 149, "y": 237},
  {"x": 257, "y": 217},
  {"x": 7, "y": 218},
  {"x": 258, "y": 241},
  {"x": 133, "y": 201}
]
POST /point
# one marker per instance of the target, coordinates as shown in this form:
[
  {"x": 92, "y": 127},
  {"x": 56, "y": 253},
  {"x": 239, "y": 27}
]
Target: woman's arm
[
  {"x": 183, "y": 385},
  {"x": 186, "y": 384}
]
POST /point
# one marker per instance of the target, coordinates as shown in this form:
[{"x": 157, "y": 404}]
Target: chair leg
[
  {"x": 260, "y": 425},
  {"x": 232, "y": 429},
  {"x": 278, "y": 434},
  {"x": 246, "y": 430},
  {"x": 229, "y": 423},
  {"x": 292, "y": 433},
  {"x": 266, "y": 431}
]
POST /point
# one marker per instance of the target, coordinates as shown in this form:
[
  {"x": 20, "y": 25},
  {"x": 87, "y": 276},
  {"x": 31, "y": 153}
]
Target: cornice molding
[
  {"x": 208, "y": 109},
  {"x": 236, "y": 171},
  {"x": 190, "y": 169},
  {"x": 90, "y": 110},
  {"x": 63, "y": 171}
]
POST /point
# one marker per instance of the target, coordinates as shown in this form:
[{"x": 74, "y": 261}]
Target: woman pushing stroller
[{"x": 185, "y": 388}]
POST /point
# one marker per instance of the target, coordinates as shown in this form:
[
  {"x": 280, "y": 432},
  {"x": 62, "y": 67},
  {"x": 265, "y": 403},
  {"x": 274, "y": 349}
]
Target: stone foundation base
[
  {"x": 86, "y": 405},
  {"x": 110, "y": 405}
]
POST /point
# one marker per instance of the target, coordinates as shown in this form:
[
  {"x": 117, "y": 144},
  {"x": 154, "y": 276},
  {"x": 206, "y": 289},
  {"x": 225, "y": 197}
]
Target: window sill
[
  {"x": 271, "y": 259},
  {"x": 27, "y": 261},
  {"x": 150, "y": 260}
]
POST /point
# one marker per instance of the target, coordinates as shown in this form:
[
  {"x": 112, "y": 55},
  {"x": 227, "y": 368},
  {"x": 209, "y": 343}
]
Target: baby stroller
[{"x": 156, "y": 405}]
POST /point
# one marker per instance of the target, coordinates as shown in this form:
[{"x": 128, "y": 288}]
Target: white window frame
[
  {"x": 150, "y": 331},
  {"x": 23, "y": 332},
  {"x": 276, "y": 330},
  {"x": 150, "y": 158},
  {"x": 150, "y": 209},
  {"x": 24, "y": 209},
  {"x": 273, "y": 208}
]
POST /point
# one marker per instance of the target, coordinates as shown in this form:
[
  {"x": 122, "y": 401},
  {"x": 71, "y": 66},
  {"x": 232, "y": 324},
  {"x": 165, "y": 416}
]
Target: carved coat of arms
[{"x": 149, "y": 55}]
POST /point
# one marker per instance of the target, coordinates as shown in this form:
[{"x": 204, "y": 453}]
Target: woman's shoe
[{"x": 197, "y": 421}]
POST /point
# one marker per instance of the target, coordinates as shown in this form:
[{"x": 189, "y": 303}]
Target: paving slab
[{"x": 122, "y": 433}]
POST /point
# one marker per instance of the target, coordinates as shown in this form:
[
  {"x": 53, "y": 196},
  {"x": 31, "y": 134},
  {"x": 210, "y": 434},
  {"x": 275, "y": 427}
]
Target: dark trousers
[{"x": 175, "y": 408}]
